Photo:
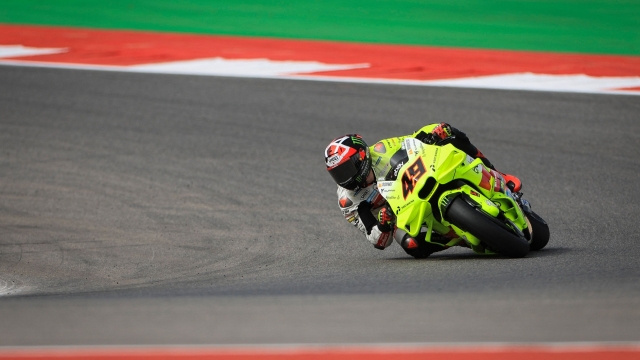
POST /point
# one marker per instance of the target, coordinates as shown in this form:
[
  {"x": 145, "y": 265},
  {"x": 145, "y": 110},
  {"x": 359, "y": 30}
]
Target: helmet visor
[{"x": 345, "y": 172}]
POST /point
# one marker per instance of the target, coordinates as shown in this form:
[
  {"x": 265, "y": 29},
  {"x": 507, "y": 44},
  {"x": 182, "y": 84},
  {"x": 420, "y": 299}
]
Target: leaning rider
[{"x": 356, "y": 167}]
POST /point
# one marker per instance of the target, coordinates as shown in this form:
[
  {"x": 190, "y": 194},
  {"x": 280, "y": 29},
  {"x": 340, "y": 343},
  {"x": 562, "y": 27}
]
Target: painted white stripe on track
[
  {"x": 8, "y": 51},
  {"x": 267, "y": 69},
  {"x": 543, "y": 82},
  {"x": 241, "y": 67}
]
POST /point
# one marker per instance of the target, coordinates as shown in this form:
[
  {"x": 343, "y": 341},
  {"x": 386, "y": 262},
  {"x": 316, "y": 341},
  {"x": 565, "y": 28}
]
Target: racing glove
[
  {"x": 438, "y": 136},
  {"x": 443, "y": 131},
  {"x": 386, "y": 219}
]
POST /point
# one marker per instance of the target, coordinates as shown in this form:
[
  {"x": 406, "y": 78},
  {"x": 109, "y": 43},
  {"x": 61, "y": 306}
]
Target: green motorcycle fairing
[
  {"x": 433, "y": 176},
  {"x": 385, "y": 154}
]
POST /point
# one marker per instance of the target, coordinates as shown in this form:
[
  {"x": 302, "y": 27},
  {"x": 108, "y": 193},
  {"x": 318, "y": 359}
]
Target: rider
[{"x": 356, "y": 167}]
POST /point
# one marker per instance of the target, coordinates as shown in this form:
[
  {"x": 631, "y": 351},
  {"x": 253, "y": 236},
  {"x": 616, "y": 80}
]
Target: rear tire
[
  {"x": 540, "y": 231},
  {"x": 487, "y": 229}
]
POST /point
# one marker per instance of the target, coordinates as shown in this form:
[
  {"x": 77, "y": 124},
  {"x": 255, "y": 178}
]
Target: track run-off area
[
  {"x": 149, "y": 52},
  {"x": 163, "y": 195}
]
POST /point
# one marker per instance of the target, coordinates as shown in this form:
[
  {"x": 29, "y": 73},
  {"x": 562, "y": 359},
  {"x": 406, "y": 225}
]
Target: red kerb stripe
[
  {"x": 117, "y": 47},
  {"x": 504, "y": 353}
]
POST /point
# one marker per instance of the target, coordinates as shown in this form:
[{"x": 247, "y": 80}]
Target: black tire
[
  {"x": 540, "y": 231},
  {"x": 487, "y": 229}
]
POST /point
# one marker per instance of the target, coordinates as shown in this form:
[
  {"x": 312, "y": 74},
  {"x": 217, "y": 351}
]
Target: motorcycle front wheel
[
  {"x": 540, "y": 231},
  {"x": 489, "y": 230}
]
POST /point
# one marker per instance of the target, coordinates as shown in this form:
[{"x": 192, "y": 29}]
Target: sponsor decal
[
  {"x": 405, "y": 205},
  {"x": 364, "y": 194},
  {"x": 380, "y": 148},
  {"x": 474, "y": 193},
  {"x": 397, "y": 168},
  {"x": 382, "y": 240},
  {"x": 348, "y": 212},
  {"x": 373, "y": 195},
  {"x": 337, "y": 152},
  {"x": 357, "y": 140},
  {"x": 412, "y": 244},
  {"x": 498, "y": 186},
  {"x": 385, "y": 188},
  {"x": 333, "y": 160},
  {"x": 411, "y": 177},
  {"x": 378, "y": 201},
  {"x": 435, "y": 157}
]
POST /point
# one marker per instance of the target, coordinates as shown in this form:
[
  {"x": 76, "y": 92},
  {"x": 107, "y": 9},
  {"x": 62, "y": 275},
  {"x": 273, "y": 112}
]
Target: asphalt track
[{"x": 141, "y": 209}]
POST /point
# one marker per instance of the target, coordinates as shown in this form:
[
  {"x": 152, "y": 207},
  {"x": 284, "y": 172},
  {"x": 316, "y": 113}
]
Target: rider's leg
[
  {"x": 443, "y": 133},
  {"x": 462, "y": 142}
]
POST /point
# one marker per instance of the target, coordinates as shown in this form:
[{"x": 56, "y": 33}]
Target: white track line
[
  {"x": 7, "y": 51},
  {"x": 267, "y": 69}
]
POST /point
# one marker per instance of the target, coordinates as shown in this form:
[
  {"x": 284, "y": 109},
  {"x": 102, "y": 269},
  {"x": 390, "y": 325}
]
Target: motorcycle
[{"x": 441, "y": 189}]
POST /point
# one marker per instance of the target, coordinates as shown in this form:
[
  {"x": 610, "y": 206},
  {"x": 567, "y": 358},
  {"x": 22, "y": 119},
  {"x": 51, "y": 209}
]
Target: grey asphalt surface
[{"x": 159, "y": 209}]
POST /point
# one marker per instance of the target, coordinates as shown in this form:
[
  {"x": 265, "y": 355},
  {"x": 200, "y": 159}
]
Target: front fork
[{"x": 455, "y": 235}]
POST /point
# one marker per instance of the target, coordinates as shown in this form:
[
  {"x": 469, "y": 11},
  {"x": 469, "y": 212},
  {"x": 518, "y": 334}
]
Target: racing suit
[{"x": 363, "y": 207}]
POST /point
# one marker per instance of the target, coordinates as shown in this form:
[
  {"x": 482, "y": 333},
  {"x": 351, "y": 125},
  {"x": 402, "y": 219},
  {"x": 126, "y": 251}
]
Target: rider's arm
[
  {"x": 360, "y": 215},
  {"x": 462, "y": 142},
  {"x": 443, "y": 133},
  {"x": 380, "y": 235}
]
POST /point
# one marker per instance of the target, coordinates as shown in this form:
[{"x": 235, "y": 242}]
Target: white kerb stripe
[
  {"x": 241, "y": 67},
  {"x": 544, "y": 82},
  {"x": 9, "y": 51},
  {"x": 303, "y": 70}
]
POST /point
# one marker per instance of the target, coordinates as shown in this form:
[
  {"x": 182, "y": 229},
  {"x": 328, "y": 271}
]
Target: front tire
[
  {"x": 487, "y": 229},
  {"x": 540, "y": 231}
]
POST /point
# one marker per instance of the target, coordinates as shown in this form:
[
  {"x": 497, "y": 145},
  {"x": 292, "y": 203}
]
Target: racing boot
[{"x": 513, "y": 183}]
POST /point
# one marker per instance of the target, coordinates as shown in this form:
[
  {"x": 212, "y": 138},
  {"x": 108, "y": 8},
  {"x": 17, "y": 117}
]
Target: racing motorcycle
[{"x": 441, "y": 189}]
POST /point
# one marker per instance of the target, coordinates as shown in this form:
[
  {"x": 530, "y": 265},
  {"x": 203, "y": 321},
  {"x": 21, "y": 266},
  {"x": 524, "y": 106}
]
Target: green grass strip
[{"x": 583, "y": 26}]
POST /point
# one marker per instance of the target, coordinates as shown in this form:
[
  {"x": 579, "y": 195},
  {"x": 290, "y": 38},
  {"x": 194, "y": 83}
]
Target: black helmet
[{"x": 348, "y": 161}]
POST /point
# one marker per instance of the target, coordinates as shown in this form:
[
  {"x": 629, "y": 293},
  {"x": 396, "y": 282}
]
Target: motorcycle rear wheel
[
  {"x": 488, "y": 230},
  {"x": 540, "y": 231}
]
